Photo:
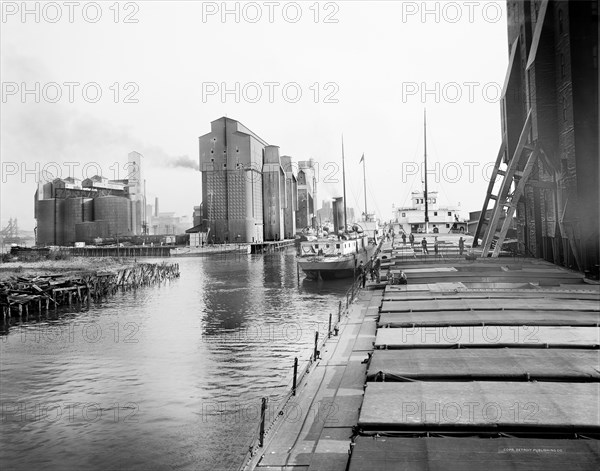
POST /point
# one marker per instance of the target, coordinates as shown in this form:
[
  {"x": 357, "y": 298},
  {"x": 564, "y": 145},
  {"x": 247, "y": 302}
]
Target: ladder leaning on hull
[{"x": 505, "y": 202}]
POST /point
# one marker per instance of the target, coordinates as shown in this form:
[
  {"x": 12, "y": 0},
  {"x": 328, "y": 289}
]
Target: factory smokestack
[{"x": 156, "y": 207}]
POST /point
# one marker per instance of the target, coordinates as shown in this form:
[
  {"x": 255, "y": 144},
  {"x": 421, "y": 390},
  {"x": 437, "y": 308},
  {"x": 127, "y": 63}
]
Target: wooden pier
[
  {"x": 474, "y": 364},
  {"x": 21, "y": 296},
  {"x": 168, "y": 251},
  {"x": 127, "y": 251},
  {"x": 269, "y": 247}
]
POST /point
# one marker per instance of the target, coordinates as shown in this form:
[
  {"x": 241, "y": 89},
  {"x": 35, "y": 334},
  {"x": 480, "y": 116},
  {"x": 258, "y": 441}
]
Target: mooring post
[
  {"x": 295, "y": 376},
  {"x": 263, "y": 409},
  {"x": 316, "y": 345},
  {"x": 340, "y": 312},
  {"x": 329, "y": 329},
  {"x": 298, "y": 272}
]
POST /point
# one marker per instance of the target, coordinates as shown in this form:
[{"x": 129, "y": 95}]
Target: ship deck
[{"x": 488, "y": 363}]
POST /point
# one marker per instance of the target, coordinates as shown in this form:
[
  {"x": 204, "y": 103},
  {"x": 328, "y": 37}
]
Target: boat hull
[{"x": 333, "y": 268}]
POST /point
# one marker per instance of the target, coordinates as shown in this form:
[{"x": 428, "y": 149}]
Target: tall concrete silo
[
  {"x": 88, "y": 209},
  {"x": 72, "y": 215},
  {"x": 49, "y": 215},
  {"x": 45, "y": 222},
  {"x": 116, "y": 211}
]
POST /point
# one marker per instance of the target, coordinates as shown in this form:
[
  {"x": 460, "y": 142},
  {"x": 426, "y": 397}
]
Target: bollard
[
  {"x": 316, "y": 345},
  {"x": 340, "y": 312},
  {"x": 329, "y": 329},
  {"x": 295, "y": 376},
  {"x": 263, "y": 409}
]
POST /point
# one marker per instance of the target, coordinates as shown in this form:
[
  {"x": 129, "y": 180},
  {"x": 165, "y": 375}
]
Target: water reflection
[{"x": 164, "y": 377}]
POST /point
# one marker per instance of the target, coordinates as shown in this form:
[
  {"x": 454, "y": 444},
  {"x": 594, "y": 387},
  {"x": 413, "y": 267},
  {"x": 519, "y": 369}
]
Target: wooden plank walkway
[{"x": 541, "y": 364}]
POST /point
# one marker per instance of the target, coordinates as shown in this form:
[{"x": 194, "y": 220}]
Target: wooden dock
[
  {"x": 168, "y": 250},
  {"x": 271, "y": 246},
  {"x": 21, "y": 296},
  {"x": 126, "y": 251},
  {"x": 474, "y": 364}
]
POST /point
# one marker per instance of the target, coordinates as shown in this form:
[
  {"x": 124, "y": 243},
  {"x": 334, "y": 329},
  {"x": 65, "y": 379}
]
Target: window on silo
[
  {"x": 449, "y": 213},
  {"x": 435, "y": 213}
]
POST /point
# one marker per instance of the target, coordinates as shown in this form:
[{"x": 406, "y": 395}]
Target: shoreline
[{"x": 70, "y": 266}]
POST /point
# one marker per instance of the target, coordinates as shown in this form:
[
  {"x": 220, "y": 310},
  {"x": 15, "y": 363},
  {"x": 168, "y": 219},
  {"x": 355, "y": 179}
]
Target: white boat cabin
[
  {"x": 442, "y": 219},
  {"x": 333, "y": 247}
]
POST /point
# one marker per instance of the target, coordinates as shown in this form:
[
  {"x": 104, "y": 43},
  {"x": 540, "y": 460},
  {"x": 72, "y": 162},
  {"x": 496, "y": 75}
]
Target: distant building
[
  {"x": 70, "y": 210},
  {"x": 249, "y": 193},
  {"x": 168, "y": 224},
  {"x": 291, "y": 197},
  {"x": 325, "y": 215},
  {"x": 136, "y": 184},
  {"x": 305, "y": 214},
  {"x": 274, "y": 194},
  {"x": 231, "y": 160}
]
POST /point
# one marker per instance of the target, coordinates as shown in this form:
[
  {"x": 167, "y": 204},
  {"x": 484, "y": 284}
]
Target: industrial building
[
  {"x": 274, "y": 194},
  {"x": 248, "y": 190},
  {"x": 70, "y": 210},
  {"x": 307, "y": 186},
  {"x": 547, "y": 166},
  {"x": 291, "y": 197}
]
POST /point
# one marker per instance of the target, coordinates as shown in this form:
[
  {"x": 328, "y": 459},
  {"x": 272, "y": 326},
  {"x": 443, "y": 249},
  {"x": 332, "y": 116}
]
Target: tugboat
[{"x": 328, "y": 257}]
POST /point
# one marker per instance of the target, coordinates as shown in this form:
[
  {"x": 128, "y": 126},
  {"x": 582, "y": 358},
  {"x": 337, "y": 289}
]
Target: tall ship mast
[
  {"x": 417, "y": 218},
  {"x": 425, "y": 161},
  {"x": 337, "y": 254},
  {"x": 344, "y": 185}
]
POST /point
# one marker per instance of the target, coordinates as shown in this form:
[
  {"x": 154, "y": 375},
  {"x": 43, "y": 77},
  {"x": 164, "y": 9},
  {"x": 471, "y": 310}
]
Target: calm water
[{"x": 166, "y": 377}]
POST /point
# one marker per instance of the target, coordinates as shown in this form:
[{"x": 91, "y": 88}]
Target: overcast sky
[{"x": 297, "y": 74}]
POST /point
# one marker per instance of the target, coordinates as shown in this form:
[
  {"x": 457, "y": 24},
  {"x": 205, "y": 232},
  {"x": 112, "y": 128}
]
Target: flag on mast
[{"x": 361, "y": 159}]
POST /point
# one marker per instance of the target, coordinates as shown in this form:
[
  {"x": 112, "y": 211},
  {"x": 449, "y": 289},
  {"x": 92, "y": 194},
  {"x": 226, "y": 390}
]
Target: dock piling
[
  {"x": 295, "y": 376},
  {"x": 316, "y": 352},
  {"x": 329, "y": 329},
  {"x": 263, "y": 410}
]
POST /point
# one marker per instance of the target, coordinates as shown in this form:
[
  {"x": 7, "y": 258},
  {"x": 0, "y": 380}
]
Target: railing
[{"x": 262, "y": 429}]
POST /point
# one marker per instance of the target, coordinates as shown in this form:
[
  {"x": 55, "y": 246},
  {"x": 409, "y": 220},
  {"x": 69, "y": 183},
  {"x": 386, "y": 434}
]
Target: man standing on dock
[
  {"x": 461, "y": 246},
  {"x": 411, "y": 239},
  {"x": 403, "y": 238},
  {"x": 424, "y": 245},
  {"x": 436, "y": 246},
  {"x": 362, "y": 274}
]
